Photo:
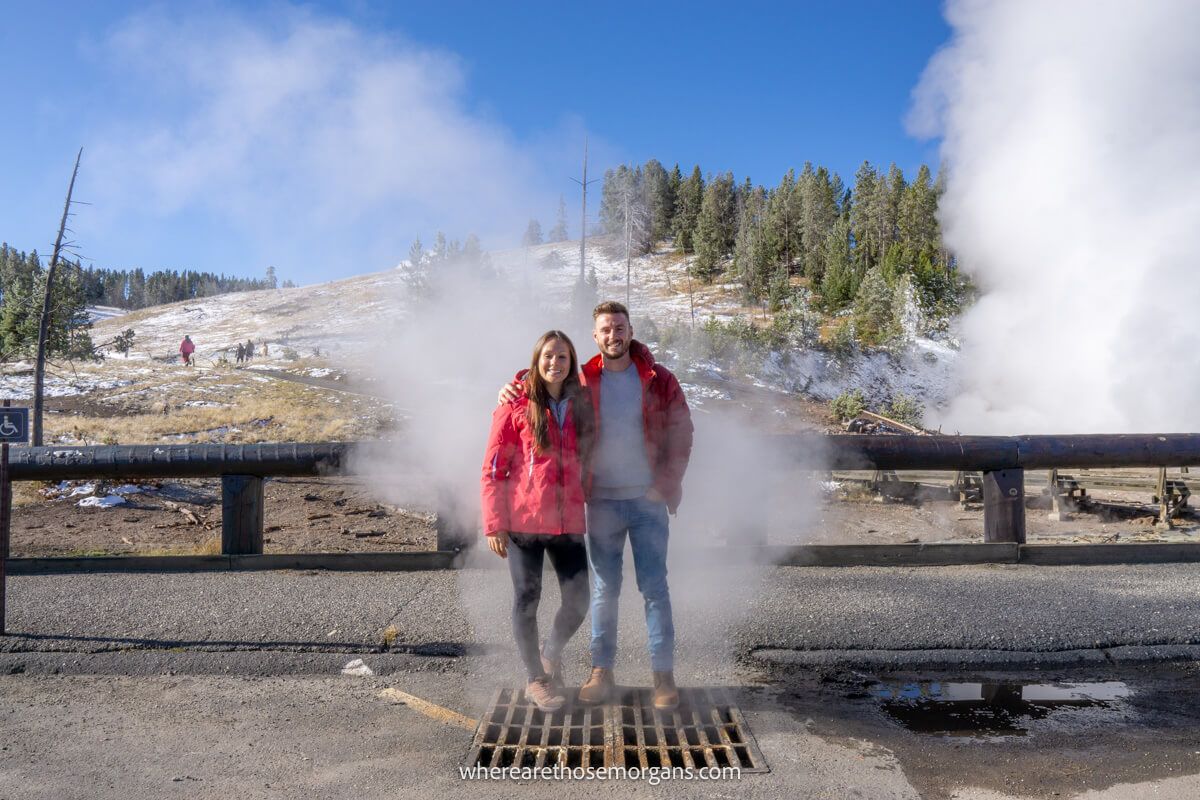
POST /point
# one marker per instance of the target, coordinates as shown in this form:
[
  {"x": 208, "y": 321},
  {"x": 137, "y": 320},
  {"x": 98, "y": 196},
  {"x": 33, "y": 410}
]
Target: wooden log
[{"x": 241, "y": 515}]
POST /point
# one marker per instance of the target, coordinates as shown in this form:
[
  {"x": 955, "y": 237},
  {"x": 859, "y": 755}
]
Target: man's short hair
[{"x": 610, "y": 307}]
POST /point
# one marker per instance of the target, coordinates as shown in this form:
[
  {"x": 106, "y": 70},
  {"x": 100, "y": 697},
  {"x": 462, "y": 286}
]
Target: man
[{"x": 643, "y": 443}]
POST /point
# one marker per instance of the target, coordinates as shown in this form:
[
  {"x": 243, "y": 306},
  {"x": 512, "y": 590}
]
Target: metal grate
[
  {"x": 514, "y": 733},
  {"x": 706, "y": 730}
]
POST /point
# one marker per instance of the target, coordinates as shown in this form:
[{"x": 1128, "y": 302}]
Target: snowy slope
[{"x": 337, "y": 324}]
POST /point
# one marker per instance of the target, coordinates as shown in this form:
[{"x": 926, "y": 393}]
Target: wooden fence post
[
  {"x": 1004, "y": 506},
  {"x": 241, "y": 515}
]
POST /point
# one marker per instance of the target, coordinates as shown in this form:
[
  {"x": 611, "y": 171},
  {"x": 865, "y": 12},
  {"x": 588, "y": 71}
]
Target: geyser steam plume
[{"x": 1071, "y": 133}]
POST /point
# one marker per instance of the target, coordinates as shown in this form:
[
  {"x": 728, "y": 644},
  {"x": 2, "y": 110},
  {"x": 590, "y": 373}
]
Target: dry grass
[
  {"x": 389, "y": 635},
  {"x": 209, "y": 547},
  {"x": 274, "y": 411},
  {"x": 25, "y": 493}
]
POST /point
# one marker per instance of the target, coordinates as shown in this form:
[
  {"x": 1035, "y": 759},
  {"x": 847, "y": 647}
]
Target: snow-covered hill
[{"x": 337, "y": 326}]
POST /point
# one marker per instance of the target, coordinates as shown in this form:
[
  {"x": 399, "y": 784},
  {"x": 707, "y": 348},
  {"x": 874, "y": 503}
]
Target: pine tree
[
  {"x": 751, "y": 258},
  {"x": 416, "y": 254},
  {"x": 416, "y": 272},
  {"x": 533, "y": 234},
  {"x": 862, "y": 229},
  {"x": 691, "y": 196},
  {"x": 18, "y": 323},
  {"x": 885, "y": 209},
  {"x": 917, "y": 224},
  {"x": 659, "y": 199},
  {"x": 559, "y": 232},
  {"x": 783, "y": 222},
  {"x": 873, "y": 308},
  {"x": 818, "y": 213},
  {"x": 840, "y": 281},
  {"x": 715, "y": 226},
  {"x": 674, "y": 187}
]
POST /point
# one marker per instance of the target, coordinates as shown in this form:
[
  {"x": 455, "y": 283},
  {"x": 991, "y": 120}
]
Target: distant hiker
[
  {"x": 532, "y": 497},
  {"x": 186, "y": 348},
  {"x": 241, "y": 353},
  {"x": 249, "y": 349},
  {"x": 264, "y": 348}
]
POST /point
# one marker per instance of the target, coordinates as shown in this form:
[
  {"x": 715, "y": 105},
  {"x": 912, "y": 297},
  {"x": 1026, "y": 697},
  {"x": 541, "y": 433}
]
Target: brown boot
[
  {"x": 553, "y": 669},
  {"x": 544, "y": 696},
  {"x": 598, "y": 687},
  {"x": 666, "y": 695}
]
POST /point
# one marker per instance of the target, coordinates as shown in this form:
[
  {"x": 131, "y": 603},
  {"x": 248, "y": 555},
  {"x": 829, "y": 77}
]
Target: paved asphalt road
[{"x": 206, "y": 685}]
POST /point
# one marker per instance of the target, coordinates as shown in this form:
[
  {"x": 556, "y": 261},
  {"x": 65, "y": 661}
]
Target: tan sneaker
[
  {"x": 553, "y": 670},
  {"x": 598, "y": 687},
  {"x": 544, "y": 696},
  {"x": 666, "y": 695}
]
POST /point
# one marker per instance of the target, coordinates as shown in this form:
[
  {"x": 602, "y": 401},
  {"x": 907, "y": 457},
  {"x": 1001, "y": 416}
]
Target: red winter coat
[
  {"x": 187, "y": 347},
  {"x": 525, "y": 491},
  {"x": 666, "y": 420}
]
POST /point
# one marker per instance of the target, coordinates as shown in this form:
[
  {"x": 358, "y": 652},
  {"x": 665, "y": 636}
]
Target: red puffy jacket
[
  {"x": 666, "y": 420},
  {"x": 525, "y": 491}
]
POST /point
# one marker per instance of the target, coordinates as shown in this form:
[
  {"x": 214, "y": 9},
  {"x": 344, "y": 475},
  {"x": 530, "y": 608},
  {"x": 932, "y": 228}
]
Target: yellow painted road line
[{"x": 431, "y": 710}]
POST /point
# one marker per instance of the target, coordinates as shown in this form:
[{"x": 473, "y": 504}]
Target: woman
[{"x": 533, "y": 505}]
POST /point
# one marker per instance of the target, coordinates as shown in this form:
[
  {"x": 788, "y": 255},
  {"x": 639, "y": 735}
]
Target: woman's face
[{"x": 554, "y": 364}]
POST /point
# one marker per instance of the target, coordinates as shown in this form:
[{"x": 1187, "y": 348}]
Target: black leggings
[{"x": 568, "y": 555}]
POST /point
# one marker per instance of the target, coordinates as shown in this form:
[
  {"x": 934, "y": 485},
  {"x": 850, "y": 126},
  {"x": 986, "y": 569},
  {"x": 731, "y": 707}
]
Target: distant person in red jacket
[
  {"x": 634, "y": 478},
  {"x": 532, "y": 495},
  {"x": 186, "y": 348}
]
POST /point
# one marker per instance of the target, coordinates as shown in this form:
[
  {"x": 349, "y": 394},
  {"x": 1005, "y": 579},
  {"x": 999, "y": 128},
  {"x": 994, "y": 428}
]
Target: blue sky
[{"x": 322, "y": 138}]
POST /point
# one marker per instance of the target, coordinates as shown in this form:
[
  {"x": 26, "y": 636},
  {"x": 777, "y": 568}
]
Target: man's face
[{"x": 612, "y": 333}]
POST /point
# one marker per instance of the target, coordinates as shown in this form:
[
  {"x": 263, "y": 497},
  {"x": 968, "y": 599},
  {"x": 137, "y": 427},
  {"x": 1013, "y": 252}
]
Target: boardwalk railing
[
  {"x": 1002, "y": 460},
  {"x": 242, "y": 468}
]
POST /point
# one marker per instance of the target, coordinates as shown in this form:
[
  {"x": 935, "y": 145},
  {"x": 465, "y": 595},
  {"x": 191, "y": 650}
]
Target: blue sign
[{"x": 14, "y": 425}]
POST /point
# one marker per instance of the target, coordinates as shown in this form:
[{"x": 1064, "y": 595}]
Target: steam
[
  {"x": 310, "y": 143},
  {"x": 444, "y": 362},
  {"x": 1072, "y": 137}
]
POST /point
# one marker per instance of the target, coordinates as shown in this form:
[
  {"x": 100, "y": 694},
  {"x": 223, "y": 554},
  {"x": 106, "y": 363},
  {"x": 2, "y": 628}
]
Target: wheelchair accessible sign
[{"x": 14, "y": 425}]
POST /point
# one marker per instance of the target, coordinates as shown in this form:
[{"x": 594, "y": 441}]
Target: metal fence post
[
  {"x": 1004, "y": 506},
  {"x": 241, "y": 515}
]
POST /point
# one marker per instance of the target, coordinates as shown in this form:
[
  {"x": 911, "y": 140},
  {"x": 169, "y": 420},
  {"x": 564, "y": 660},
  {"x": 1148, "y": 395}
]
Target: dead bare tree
[
  {"x": 637, "y": 225},
  {"x": 39, "y": 372},
  {"x": 582, "y": 292}
]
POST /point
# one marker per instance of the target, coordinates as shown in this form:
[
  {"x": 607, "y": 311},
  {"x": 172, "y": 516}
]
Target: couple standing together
[{"x": 617, "y": 435}]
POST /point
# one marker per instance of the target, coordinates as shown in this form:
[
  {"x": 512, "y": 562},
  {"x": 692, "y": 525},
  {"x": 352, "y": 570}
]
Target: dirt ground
[{"x": 302, "y": 515}]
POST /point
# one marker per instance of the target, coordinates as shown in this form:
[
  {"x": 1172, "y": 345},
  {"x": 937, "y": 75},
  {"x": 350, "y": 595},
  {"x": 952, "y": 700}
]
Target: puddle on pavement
[{"x": 990, "y": 709}]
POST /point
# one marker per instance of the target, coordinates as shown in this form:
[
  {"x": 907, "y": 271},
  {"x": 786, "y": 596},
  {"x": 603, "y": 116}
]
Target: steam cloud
[
  {"x": 314, "y": 144},
  {"x": 443, "y": 364},
  {"x": 1072, "y": 137}
]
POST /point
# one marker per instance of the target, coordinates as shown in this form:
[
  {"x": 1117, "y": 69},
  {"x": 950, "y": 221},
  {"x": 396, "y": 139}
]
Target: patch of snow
[{"x": 108, "y": 501}]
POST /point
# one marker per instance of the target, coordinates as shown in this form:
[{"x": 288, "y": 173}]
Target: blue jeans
[{"x": 646, "y": 523}]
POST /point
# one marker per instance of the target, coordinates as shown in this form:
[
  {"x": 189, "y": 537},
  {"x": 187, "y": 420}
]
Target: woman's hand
[{"x": 499, "y": 544}]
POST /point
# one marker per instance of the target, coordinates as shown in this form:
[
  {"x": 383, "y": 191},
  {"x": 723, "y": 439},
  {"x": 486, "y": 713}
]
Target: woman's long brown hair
[{"x": 539, "y": 397}]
